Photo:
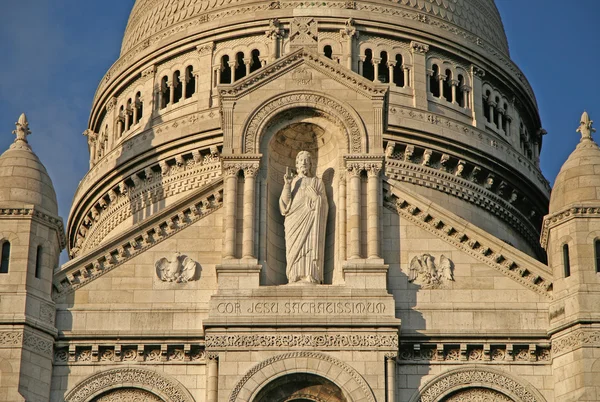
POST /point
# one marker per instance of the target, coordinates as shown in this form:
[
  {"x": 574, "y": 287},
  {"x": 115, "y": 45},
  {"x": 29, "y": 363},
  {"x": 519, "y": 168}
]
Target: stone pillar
[
  {"x": 441, "y": 79},
  {"x": 232, "y": 67},
  {"x": 477, "y": 109},
  {"x": 454, "y": 84},
  {"x": 348, "y": 33},
  {"x": 230, "y": 172},
  {"x": 391, "y": 65},
  {"x": 466, "y": 96},
  {"x": 111, "y": 116},
  {"x": 342, "y": 217},
  {"x": 376, "y": 63},
  {"x": 250, "y": 172},
  {"x": 212, "y": 377},
  {"x": 171, "y": 84},
  {"x": 274, "y": 33},
  {"x": 353, "y": 172},
  {"x": 390, "y": 381},
  {"x": 420, "y": 78},
  {"x": 183, "y": 82},
  {"x": 500, "y": 115},
  {"x": 247, "y": 63},
  {"x": 361, "y": 62},
  {"x": 373, "y": 210},
  {"x": 406, "y": 72}
]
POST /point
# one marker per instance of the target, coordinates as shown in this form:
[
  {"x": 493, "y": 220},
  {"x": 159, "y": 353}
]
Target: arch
[
  {"x": 254, "y": 127},
  {"x": 166, "y": 388},
  {"x": 259, "y": 376},
  {"x": 477, "y": 377}
]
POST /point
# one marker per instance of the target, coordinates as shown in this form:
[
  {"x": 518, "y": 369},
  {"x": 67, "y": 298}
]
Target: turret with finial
[
  {"x": 22, "y": 131},
  {"x": 585, "y": 127}
]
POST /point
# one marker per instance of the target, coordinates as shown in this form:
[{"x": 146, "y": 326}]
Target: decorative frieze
[
  {"x": 141, "y": 353},
  {"x": 453, "y": 353},
  {"x": 303, "y": 341},
  {"x": 10, "y": 338},
  {"x": 577, "y": 339}
]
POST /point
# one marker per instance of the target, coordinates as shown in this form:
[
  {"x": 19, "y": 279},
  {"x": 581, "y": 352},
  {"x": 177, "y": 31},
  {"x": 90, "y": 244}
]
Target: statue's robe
[{"x": 305, "y": 224}]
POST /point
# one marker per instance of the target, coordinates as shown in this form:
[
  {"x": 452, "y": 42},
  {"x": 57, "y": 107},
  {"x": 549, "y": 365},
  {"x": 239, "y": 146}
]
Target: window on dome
[
  {"x": 505, "y": 120},
  {"x": 566, "y": 261},
  {"x": 460, "y": 92},
  {"x": 384, "y": 71},
  {"x": 121, "y": 122},
  {"x": 38, "y": 262},
  {"x": 255, "y": 64},
  {"x": 597, "y": 254},
  {"x": 240, "y": 66},
  {"x": 434, "y": 81},
  {"x": 128, "y": 112},
  {"x": 447, "y": 87},
  {"x": 367, "y": 66},
  {"x": 399, "y": 72},
  {"x": 165, "y": 92},
  {"x": 496, "y": 112},
  {"x": 190, "y": 82},
  {"x": 5, "y": 257},
  {"x": 225, "y": 71},
  {"x": 328, "y": 52},
  {"x": 486, "y": 108},
  {"x": 177, "y": 87},
  {"x": 139, "y": 108}
]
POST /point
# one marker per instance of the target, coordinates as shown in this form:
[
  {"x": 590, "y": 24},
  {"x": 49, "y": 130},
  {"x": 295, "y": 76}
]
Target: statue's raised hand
[{"x": 288, "y": 177}]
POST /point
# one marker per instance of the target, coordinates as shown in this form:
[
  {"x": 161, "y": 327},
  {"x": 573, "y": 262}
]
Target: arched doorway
[{"x": 301, "y": 387}]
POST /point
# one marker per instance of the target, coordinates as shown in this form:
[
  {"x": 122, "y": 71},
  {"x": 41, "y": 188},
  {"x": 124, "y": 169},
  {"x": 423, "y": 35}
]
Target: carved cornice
[
  {"x": 107, "y": 354},
  {"x": 130, "y": 244},
  {"x": 484, "y": 377},
  {"x": 351, "y": 341},
  {"x": 553, "y": 220},
  {"x": 467, "y": 353},
  {"x": 142, "y": 378},
  {"x": 48, "y": 220},
  {"x": 581, "y": 337},
  {"x": 478, "y": 248}
]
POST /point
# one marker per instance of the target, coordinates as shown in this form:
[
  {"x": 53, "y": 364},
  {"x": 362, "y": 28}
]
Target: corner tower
[
  {"x": 31, "y": 239},
  {"x": 571, "y": 236}
]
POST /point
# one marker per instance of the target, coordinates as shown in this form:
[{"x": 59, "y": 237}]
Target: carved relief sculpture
[
  {"x": 178, "y": 268},
  {"x": 303, "y": 202},
  {"x": 425, "y": 272}
]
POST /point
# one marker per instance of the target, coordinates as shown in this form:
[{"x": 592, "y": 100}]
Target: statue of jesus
[{"x": 303, "y": 202}]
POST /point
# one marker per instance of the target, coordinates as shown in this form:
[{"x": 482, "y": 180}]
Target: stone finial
[
  {"x": 22, "y": 130},
  {"x": 585, "y": 127}
]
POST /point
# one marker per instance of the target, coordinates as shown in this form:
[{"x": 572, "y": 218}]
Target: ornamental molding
[
  {"x": 492, "y": 353},
  {"x": 155, "y": 230},
  {"x": 558, "y": 218},
  {"x": 575, "y": 340},
  {"x": 484, "y": 377},
  {"x": 477, "y": 394},
  {"x": 298, "y": 61},
  {"x": 46, "y": 219},
  {"x": 165, "y": 387},
  {"x": 10, "y": 338},
  {"x": 494, "y": 255},
  {"x": 128, "y": 394},
  {"x": 248, "y": 385},
  {"x": 467, "y": 190},
  {"x": 107, "y": 354},
  {"x": 255, "y": 125},
  {"x": 38, "y": 344},
  {"x": 295, "y": 340}
]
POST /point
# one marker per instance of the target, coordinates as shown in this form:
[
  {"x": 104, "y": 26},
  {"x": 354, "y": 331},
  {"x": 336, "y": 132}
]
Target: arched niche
[
  {"x": 127, "y": 394},
  {"x": 286, "y": 134},
  {"x": 299, "y": 387}
]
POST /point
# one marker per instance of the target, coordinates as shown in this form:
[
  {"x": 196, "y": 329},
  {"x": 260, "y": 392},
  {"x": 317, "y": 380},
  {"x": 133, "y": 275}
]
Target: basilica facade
[{"x": 335, "y": 201}]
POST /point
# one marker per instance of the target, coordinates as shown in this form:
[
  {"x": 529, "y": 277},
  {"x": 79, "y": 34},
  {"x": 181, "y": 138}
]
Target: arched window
[
  {"x": 177, "y": 87},
  {"x": 129, "y": 111},
  {"x": 225, "y": 71},
  {"x": 368, "y": 69},
  {"x": 460, "y": 94},
  {"x": 121, "y": 121},
  {"x": 240, "y": 66},
  {"x": 139, "y": 107},
  {"x": 597, "y": 254},
  {"x": 505, "y": 120},
  {"x": 190, "y": 82},
  {"x": 434, "y": 81},
  {"x": 328, "y": 51},
  {"x": 496, "y": 112},
  {"x": 447, "y": 87},
  {"x": 5, "y": 257},
  {"x": 486, "y": 108},
  {"x": 566, "y": 261},
  {"x": 165, "y": 92},
  {"x": 384, "y": 71},
  {"x": 399, "y": 72},
  {"x": 38, "y": 262},
  {"x": 255, "y": 64}
]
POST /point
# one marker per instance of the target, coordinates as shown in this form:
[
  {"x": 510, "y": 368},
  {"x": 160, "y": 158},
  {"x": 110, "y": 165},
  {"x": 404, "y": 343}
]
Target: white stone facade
[{"x": 425, "y": 137}]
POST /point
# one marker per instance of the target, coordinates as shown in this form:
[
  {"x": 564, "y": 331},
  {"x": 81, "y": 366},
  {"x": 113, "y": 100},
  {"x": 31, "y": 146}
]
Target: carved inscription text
[{"x": 300, "y": 308}]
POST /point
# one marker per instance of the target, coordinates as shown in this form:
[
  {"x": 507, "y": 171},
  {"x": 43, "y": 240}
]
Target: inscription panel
[{"x": 340, "y": 307}]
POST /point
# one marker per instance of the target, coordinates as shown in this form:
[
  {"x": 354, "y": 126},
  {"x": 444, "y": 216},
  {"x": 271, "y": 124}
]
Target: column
[
  {"x": 250, "y": 172},
  {"x": 500, "y": 115},
  {"x": 466, "y": 92},
  {"x": 454, "y": 84},
  {"x": 348, "y": 33},
  {"x": 441, "y": 79},
  {"x": 376, "y": 62},
  {"x": 373, "y": 210},
  {"x": 247, "y": 63},
  {"x": 274, "y": 33},
  {"x": 492, "y": 106},
  {"x": 212, "y": 377},
  {"x": 217, "y": 77},
  {"x": 361, "y": 61},
  {"x": 391, "y": 65},
  {"x": 171, "y": 85},
  {"x": 420, "y": 77},
  {"x": 342, "y": 217},
  {"x": 477, "y": 109},
  {"x": 229, "y": 200},
  {"x": 354, "y": 171},
  {"x": 232, "y": 67},
  {"x": 390, "y": 362},
  {"x": 184, "y": 82},
  {"x": 406, "y": 71}
]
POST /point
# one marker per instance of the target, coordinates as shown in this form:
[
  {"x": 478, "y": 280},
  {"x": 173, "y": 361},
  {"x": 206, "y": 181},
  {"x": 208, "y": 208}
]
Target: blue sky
[{"x": 54, "y": 53}]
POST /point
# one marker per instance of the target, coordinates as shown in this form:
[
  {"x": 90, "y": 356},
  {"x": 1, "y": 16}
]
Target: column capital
[
  {"x": 418, "y": 47},
  {"x": 212, "y": 356},
  {"x": 478, "y": 71},
  {"x": 250, "y": 169},
  {"x": 373, "y": 169}
]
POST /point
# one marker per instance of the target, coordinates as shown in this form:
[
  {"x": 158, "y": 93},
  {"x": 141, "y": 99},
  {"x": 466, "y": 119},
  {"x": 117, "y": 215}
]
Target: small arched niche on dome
[{"x": 298, "y": 129}]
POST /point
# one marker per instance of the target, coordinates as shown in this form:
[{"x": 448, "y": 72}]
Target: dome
[
  {"x": 155, "y": 19},
  {"x": 578, "y": 182},
  {"x": 23, "y": 178}
]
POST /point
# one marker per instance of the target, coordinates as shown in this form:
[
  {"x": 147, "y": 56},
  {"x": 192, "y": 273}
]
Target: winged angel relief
[
  {"x": 425, "y": 272},
  {"x": 178, "y": 268}
]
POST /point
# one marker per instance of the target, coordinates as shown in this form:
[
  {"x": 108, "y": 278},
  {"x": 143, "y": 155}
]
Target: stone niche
[{"x": 300, "y": 129}]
